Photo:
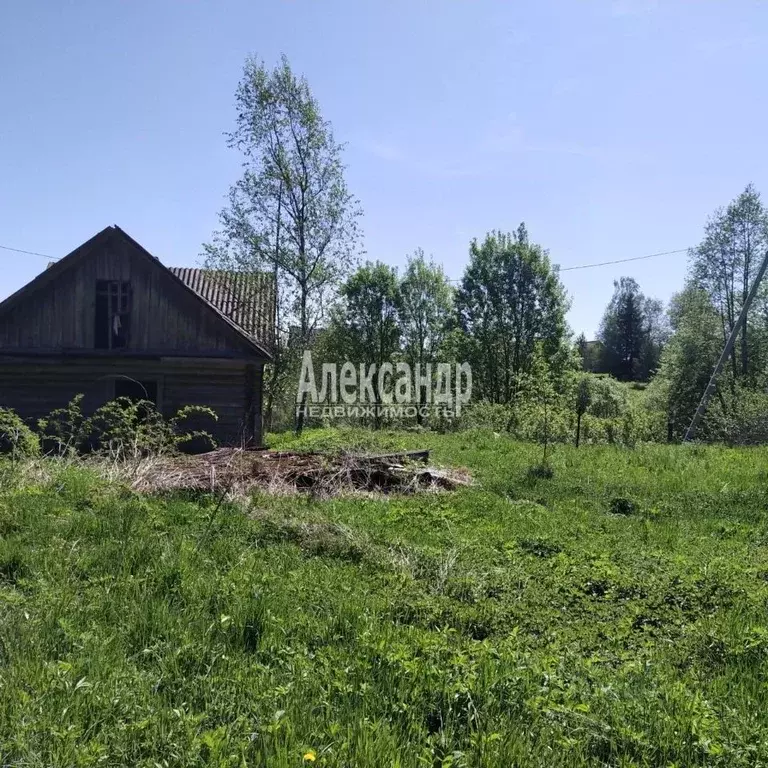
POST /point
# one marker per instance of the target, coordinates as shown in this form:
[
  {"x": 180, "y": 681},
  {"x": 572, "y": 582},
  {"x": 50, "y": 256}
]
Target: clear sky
[{"x": 613, "y": 128}]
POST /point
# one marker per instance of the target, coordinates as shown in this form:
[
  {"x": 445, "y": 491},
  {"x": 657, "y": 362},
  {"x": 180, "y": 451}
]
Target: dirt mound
[{"x": 287, "y": 472}]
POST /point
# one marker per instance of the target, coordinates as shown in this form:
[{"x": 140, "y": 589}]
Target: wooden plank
[
  {"x": 399, "y": 457},
  {"x": 384, "y": 458}
]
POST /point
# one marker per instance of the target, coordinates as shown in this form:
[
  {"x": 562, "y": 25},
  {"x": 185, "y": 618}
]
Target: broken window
[{"x": 113, "y": 314}]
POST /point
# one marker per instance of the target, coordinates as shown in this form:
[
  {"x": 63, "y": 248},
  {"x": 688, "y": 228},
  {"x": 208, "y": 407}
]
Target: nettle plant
[{"x": 124, "y": 428}]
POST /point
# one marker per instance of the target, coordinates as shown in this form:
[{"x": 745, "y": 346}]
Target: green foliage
[
  {"x": 426, "y": 305},
  {"x": 125, "y": 428},
  {"x": 688, "y": 360},
  {"x": 291, "y": 213},
  {"x": 61, "y": 430},
  {"x": 540, "y": 400},
  {"x": 597, "y": 407},
  {"x": 510, "y": 298},
  {"x": 16, "y": 439},
  {"x": 723, "y": 269},
  {"x": 743, "y": 420},
  {"x": 607, "y": 398},
  {"x": 632, "y": 333},
  {"x": 188, "y": 436},
  {"x": 724, "y": 265},
  {"x": 368, "y": 324},
  {"x": 527, "y": 620}
]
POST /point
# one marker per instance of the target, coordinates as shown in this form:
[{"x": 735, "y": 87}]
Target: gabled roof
[{"x": 222, "y": 303}]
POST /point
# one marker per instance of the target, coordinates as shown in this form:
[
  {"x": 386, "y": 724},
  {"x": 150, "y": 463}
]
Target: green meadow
[{"x": 614, "y": 614}]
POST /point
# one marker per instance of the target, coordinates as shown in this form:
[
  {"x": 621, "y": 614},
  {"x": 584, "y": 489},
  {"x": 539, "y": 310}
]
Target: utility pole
[{"x": 702, "y": 409}]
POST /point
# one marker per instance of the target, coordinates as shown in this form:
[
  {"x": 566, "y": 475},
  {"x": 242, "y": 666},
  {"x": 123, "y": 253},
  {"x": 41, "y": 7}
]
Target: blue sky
[{"x": 613, "y": 128}]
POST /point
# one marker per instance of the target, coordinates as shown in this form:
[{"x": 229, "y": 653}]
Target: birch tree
[
  {"x": 724, "y": 265},
  {"x": 291, "y": 211}
]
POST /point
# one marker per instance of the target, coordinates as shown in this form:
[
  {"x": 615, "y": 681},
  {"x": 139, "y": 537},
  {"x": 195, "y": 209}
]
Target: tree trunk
[
  {"x": 419, "y": 395},
  {"x": 300, "y": 416},
  {"x": 276, "y": 368},
  {"x": 277, "y": 353},
  {"x": 744, "y": 343}
]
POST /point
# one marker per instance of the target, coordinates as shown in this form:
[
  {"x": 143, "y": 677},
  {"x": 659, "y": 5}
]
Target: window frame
[{"x": 115, "y": 299}]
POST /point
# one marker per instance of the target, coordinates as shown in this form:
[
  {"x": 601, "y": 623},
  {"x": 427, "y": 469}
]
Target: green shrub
[
  {"x": 61, "y": 429},
  {"x": 608, "y": 398},
  {"x": 483, "y": 415},
  {"x": 185, "y": 426},
  {"x": 16, "y": 438},
  {"x": 125, "y": 428}
]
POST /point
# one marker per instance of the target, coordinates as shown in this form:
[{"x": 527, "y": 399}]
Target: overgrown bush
[
  {"x": 16, "y": 438},
  {"x": 495, "y": 417},
  {"x": 186, "y": 435},
  {"x": 743, "y": 420},
  {"x": 124, "y": 428},
  {"x": 610, "y": 413},
  {"x": 60, "y": 430},
  {"x": 608, "y": 398}
]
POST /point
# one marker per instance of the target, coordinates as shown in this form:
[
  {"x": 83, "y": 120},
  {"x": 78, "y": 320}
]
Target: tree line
[{"x": 292, "y": 214}]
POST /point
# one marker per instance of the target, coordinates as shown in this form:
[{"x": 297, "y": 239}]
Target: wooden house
[{"x": 109, "y": 320}]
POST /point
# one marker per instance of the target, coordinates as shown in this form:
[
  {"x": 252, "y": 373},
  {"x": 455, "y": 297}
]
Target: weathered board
[
  {"x": 189, "y": 353},
  {"x": 166, "y": 316},
  {"x": 35, "y": 387}
]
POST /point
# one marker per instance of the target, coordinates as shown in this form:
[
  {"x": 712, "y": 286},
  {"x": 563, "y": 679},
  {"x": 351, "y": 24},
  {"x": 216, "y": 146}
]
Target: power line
[
  {"x": 608, "y": 263},
  {"x": 30, "y": 253},
  {"x": 624, "y": 261},
  {"x": 562, "y": 269}
]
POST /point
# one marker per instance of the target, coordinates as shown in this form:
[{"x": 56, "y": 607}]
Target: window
[{"x": 113, "y": 314}]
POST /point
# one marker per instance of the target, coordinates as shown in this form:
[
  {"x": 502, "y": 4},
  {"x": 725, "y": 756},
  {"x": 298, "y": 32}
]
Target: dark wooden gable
[{"x": 56, "y": 312}]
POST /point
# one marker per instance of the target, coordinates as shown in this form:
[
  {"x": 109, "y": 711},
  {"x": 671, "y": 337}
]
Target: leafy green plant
[
  {"x": 188, "y": 439},
  {"x": 61, "y": 430},
  {"x": 125, "y": 428},
  {"x": 16, "y": 439}
]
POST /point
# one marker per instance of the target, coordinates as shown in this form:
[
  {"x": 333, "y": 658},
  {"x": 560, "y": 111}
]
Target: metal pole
[{"x": 702, "y": 409}]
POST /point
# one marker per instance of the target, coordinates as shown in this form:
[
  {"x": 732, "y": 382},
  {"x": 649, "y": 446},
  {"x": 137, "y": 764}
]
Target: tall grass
[{"x": 614, "y": 614}]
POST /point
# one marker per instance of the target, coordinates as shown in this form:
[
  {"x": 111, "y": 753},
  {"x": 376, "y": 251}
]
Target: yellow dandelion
[{"x": 310, "y": 756}]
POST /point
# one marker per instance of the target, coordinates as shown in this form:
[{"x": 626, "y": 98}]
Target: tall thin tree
[{"x": 291, "y": 212}]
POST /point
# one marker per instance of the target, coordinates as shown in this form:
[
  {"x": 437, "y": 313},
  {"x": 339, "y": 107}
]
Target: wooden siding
[
  {"x": 165, "y": 317},
  {"x": 34, "y": 387}
]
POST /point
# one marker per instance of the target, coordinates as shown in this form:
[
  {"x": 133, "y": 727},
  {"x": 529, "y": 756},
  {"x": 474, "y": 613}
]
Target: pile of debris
[{"x": 238, "y": 472}]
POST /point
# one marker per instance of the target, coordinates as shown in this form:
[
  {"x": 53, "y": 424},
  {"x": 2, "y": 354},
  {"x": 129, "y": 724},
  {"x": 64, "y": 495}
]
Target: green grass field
[{"x": 614, "y": 614}]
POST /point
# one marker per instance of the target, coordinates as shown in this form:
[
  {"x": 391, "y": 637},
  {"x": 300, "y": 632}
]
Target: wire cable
[
  {"x": 30, "y": 253},
  {"x": 624, "y": 261}
]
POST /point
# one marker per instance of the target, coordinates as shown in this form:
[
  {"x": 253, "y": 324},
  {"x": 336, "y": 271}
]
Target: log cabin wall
[{"x": 34, "y": 387}]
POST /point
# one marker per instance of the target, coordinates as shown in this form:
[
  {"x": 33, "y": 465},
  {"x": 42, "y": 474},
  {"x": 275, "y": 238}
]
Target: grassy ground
[{"x": 614, "y": 614}]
